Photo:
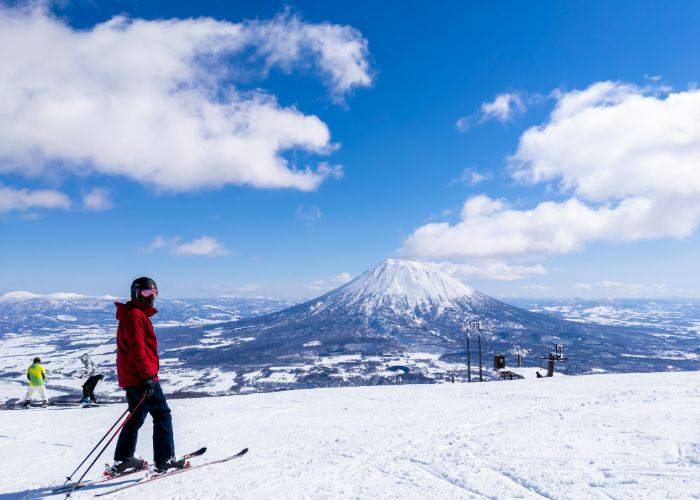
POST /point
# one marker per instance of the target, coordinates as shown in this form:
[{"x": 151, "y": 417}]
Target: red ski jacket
[{"x": 137, "y": 345}]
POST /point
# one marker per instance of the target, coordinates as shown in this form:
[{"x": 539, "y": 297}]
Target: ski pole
[
  {"x": 108, "y": 442},
  {"x": 68, "y": 478}
]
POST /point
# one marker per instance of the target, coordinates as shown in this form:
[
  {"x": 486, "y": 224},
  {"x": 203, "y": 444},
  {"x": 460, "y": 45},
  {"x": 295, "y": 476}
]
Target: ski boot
[
  {"x": 123, "y": 466},
  {"x": 173, "y": 463},
  {"x": 26, "y": 405},
  {"x": 44, "y": 404}
]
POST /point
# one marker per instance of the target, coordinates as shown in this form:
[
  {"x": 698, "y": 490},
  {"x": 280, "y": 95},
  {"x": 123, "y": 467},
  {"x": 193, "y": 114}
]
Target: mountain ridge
[{"x": 373, "y": 316}]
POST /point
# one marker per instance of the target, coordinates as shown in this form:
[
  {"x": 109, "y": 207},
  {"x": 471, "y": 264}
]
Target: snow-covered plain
[
  {"x": 675, "y": 317},
  {"x": 598, "y": 436}
]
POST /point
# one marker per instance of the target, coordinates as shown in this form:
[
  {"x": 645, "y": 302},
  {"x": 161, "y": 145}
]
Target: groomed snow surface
[{"x": 598, "y": 436}]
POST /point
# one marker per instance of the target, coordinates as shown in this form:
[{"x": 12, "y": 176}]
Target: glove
[{"x": 149, "y": 387}]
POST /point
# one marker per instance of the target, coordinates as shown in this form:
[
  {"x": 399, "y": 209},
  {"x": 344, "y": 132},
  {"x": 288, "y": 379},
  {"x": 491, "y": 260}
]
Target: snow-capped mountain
[
  {"x": 396, "y": 298},
  {"x": 400, "y": 309},
  {"x": 403, "y": 286}
]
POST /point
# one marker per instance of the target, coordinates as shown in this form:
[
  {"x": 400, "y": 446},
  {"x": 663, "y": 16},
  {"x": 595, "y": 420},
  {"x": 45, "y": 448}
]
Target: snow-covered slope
[{"x": 604, "y": 436}]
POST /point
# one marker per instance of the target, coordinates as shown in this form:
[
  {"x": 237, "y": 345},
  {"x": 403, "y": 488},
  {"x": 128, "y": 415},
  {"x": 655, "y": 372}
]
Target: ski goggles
[{"x": 149, "y": 292}]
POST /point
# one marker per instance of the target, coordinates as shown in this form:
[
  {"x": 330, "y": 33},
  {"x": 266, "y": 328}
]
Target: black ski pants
[
  {"x": 89, "y": 392},
  {"x": 157, "y": 406}
]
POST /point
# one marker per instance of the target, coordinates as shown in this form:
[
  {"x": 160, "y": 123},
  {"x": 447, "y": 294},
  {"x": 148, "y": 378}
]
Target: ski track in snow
[{"x": 597, "y": 436}]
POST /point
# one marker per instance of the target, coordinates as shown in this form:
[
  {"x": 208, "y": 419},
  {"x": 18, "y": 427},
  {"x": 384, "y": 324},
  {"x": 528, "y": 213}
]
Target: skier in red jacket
[{"x": 137, "y": 372}]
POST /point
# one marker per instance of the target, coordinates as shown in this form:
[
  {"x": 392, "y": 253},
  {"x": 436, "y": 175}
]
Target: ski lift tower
[
  {"x": 467, "y": 332},
  {"x": 477, "y": 325},
  {"x": 553, "y": 357}
]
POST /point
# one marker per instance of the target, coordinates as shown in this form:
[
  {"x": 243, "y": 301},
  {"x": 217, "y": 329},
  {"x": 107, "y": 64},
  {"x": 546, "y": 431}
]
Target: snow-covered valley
[{"x": 600, "y": 436}]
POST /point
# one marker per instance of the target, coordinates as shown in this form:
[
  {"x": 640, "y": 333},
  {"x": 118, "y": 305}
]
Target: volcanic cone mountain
[{"x": 405, "y": 306}]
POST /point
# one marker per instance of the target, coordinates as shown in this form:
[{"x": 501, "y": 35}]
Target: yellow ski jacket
[{"x": 36, "y": 375}]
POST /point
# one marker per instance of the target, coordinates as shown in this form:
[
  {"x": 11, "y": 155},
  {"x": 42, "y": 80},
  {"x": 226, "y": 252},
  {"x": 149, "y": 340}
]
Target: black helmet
[
  {"x": 37, "y": 360},
  {"x": 139, "y": 284}
]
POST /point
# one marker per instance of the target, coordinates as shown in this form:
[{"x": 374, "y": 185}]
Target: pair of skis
[
  {"x": 52, "y": 406},
  {"x": 147, "y": 479},
  {"x": 69, "y": 488}
]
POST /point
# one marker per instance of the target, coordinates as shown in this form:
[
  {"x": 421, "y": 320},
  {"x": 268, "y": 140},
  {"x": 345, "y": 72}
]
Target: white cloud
[
  {"x": 341, "y": 52},
  {"x": 323, "y": 285},
  {"x": 250, "y": 288},
  {"x": 471, "y": 177},
  {"x": 503, "y": 108},
  {"x": 97, "y": 199},
  {"x": 630, "y": 158},
  {"x": 25, "y": 199},
  {"x": 308, "y": 215},
  {"x": 609, "y": 288},
  {"x": 489, "y": 228},
  {"x": 496, "y": 270},
  {"x": 536, "y": 288},
  {"x": 464, "y": 123},
  {"x": 157, "y": 102},
  {"x": 318, "y": 286},
  {"x": 159, "y": 242},
  {"x": 613, "y": 141},
  {"x": 204, "y": 246},
  {"x": 343, "y": 278}
]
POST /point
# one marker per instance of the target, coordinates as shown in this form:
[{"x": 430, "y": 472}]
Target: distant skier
[
  {"x": 89, "y": 365},
  {"x": 137, "y": 371},
  {"x": 89, "y": 389},
  {"x": 37, "y": 378}
]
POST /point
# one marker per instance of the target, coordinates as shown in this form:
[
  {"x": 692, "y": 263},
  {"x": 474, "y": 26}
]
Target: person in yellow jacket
[{"x": 37, "y": 377}]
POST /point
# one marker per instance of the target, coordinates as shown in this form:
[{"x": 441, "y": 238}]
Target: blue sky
[{"x": 526, "y": 150}]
